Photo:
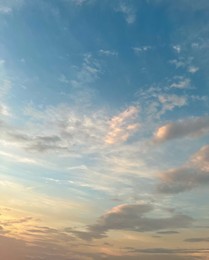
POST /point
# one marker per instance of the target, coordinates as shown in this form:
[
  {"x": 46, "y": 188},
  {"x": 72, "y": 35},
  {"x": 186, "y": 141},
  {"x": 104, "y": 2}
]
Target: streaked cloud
[{"x": 123, "y": 126}]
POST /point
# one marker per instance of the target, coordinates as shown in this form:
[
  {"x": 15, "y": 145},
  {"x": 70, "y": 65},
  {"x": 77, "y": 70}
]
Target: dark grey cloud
[{"x": 133, "y": 217}]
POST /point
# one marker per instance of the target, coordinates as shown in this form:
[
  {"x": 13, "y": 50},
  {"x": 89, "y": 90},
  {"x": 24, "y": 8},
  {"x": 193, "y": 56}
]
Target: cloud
[
  {"x": 108, "y": 52},
  {"x": 7, "y": 6},
  {"x": 197, "y": 239},
  {"x": 128, "y": 12},
  {"x": 194, "y": 174},
  {"x": 157, "y": 101},
  {"x": 177, "y": 48},
  {"x": 122, "y": 126},
  {"x": 79, "y": 2},
  {"x": 4, "y": 110},
  {"x": 183, "y": 83},
  {"x": 193, "y": 69},
  {"x": 5, "y": 86},
  {"x": 145, "y": 48},
  {"x": 169, "y": 232},
  {"x": 192, "y": 127},
  {"x": 169, "y": 251},
  {"x": 132, "y": 217},
  {"x": 170, "y": 101}
]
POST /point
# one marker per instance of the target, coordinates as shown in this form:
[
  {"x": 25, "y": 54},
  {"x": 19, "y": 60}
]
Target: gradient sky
[{"x": 104, "y": 129}]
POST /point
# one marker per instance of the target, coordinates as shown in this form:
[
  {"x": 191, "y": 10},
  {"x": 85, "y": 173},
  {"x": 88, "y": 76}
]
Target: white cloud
[
  {"x": 128, "y": 12},
  {"x": 144, "y": 48},
  {"x": 193, "y": 69},
  {"x": 171, "y": 101},
  {"x": 178, "y": 63},
  {"x": 177, "y": 48},
  {"x": 183, "y": 83},
  {"x": 108, "y": 52},
  {"x": 4, "y": 110}
]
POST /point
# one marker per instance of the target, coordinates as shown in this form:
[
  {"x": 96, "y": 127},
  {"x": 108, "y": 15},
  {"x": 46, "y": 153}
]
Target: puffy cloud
[
  {"x": 132, "y": 217},
  {"x": 122, "y": 126},
  {"x": 195, "y": 173},
  {"x": 192, "y": 127},
  {"x": 193, "y": 69}
]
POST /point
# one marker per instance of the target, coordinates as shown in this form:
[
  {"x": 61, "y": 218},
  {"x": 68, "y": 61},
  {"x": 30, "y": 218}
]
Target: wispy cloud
[
  {"x": 108, "y": 52},
  {"x": 141, "y": 49},
  {"x": 122, "y": 126},
  {"x": 7, "y": 6},
  {"x": 128, "y": 11},
  {"x": 177, "y": 48},
  {"x": 182, "y": 83}
]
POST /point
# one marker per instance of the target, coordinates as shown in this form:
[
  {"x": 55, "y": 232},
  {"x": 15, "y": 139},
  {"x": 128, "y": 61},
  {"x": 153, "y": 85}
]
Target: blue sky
[{"x": 104, "y": 129}]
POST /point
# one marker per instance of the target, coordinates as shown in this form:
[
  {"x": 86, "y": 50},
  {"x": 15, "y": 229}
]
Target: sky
[{"x": 104, "y": 129}]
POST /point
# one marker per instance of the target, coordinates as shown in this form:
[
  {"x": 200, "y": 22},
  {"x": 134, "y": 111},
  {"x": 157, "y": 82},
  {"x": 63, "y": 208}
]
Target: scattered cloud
[
  {"x": 183, "y": 83},
  {"x": 123, "y": 126},
  {"x": 171, "y": 101},
  {"x": 177, "y": 48},
  {"x": 108, "y": 52},
  {"x": 145, "y": 48},
  {"x": 193, "y": 69},
  {"x": 128, "y": 12},
  {"x": 179, "y": 63}
]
